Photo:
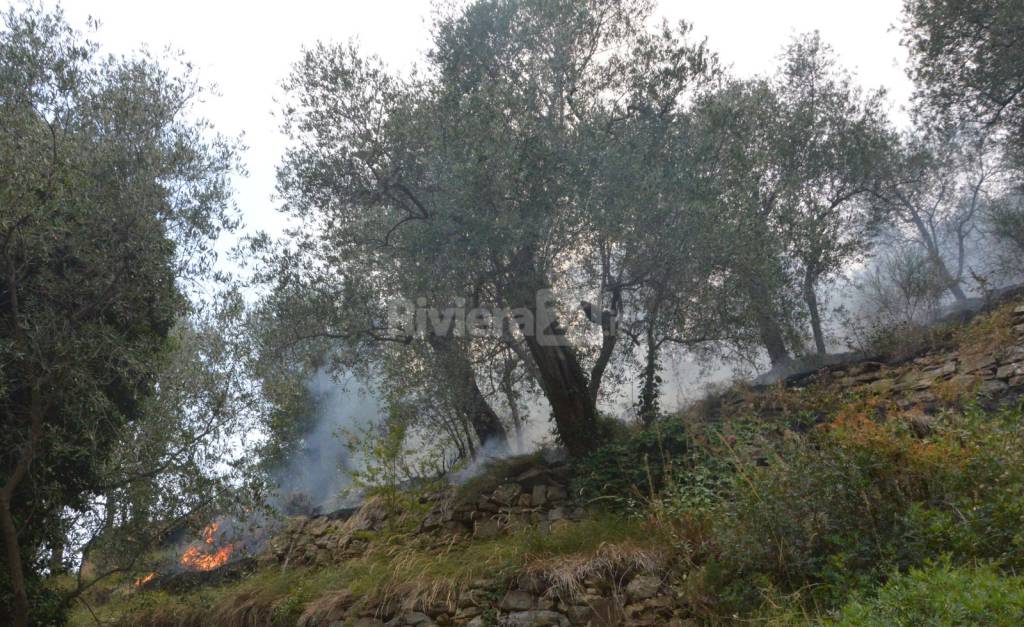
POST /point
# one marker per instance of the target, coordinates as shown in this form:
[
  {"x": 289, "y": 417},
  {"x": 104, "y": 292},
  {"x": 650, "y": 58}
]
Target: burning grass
[
  {"x": 207, "y": 556},
  {"x": 399, "y": 573}
]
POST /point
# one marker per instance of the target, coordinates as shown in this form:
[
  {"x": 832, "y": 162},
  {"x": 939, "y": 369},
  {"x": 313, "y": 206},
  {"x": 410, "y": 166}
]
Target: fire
[
  {"x": 197, "y": 559},
  {"x": 141, "y": 581},
  {"x": 203, "y": 557},
  {"x": 209, "y": 531}
]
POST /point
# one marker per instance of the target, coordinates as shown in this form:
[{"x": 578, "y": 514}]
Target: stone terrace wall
[{"x": 986, "y": 370}]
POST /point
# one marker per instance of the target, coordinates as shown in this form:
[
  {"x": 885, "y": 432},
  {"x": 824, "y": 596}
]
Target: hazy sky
[{"x": 246, "y": 48}]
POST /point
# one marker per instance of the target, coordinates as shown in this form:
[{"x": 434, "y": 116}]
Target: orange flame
[
  {"x": 196, "y": 559},
  {"x": 209, "y": 531},
  {"x": 141, "y": 581},
  {"x": 204, "y": 558}
]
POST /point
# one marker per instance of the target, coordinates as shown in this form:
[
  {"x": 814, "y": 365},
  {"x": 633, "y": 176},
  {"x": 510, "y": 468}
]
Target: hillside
[{"x": 789, "y": 505}]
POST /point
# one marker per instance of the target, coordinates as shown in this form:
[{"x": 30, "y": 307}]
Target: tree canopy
[{"x": 110, "y": 200}]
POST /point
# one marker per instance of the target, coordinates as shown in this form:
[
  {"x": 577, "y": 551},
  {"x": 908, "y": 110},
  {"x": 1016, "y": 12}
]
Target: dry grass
[
  {"x": 612, "y": 562},
  {"x": 988, "y": 333},
  {"x": 326, "y": 609}
]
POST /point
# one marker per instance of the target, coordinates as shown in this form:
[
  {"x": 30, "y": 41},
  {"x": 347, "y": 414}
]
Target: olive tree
[{"x": 477, "y": 182}]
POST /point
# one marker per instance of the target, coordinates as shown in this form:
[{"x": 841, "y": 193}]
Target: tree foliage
[{"x": 110, "y": 199}]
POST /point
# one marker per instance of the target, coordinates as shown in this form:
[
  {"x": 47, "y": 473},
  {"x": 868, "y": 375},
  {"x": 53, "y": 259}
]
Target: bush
[
  {"x": 941, "y": 595},
  {"x": 835, "y": 511},
  {"x": 631, "y": 466}
]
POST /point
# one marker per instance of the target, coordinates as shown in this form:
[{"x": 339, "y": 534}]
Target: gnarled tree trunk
[
  {"x": 467, "y": 396},
  {"x": 811, "y": 299},
  {"x": 566, "y": 388}
]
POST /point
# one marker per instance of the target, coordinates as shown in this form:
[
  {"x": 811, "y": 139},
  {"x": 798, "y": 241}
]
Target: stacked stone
[
  {"x": 537, "y": 497},
  {"x": 322, "y": 540},
  {"x": 639, "y": 600},
  {"x": 986, "y": 371}
]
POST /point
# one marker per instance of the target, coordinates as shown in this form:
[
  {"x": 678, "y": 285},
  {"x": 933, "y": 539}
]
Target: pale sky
[{"x": 247, "y": 47}]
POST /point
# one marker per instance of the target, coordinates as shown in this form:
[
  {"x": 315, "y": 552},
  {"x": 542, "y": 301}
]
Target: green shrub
[
  {"x": 835, "y": 511},
  {"x": 941, "y": 595},
  {"x": 631, "y": 466}
]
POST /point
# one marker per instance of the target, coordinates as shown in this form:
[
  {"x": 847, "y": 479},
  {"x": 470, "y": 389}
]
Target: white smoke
[{"x": 321, "y": 470}]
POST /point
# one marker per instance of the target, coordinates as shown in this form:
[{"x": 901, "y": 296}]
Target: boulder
[
  {"x": 415, "y": 618},
  {"x": 536, "y": 618},
  {"x": 516, "y": 600},
  {"x": 533, "y": 477},
  {"x": 1010, "y": 370},
  {"x": 539, "y": 496},
  {"x": 992, "y": 387},
  {"x": 977, "y": 362},
  {"x": 556, "y": 493},
  {"x": 643, "y": 587},
  {"x": 579, "y": 614},
  {"x": 506, "y": 493},
  {"x": 486, "y": 529}
]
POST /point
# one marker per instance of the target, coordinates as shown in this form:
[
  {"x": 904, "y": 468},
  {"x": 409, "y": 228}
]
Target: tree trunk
[
  {"x": 609, "y": 338},
  {"x": 954, "y": 286},
  {"x": 468, "y": 398},
  {"x": 952, "y": 283},
  {"x": 565, "y": 387},
  {"x": 560, "y": 374},
  {"x": 13, "y": 554},
  {"x": 7, "y": 528},
  {"x": 767, "y": 326},
  {"x": 771, "y": 337},
  {"x": 508, "y": 386},
  {"x": 811, "y": 298}
]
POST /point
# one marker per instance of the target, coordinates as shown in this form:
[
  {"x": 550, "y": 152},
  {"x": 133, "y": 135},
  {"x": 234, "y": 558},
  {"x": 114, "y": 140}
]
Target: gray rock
[
  {"x": 415, "y": 618},
  {"x": 540, "y": 495},
  {"x": 1010, "y": 370},
  {"x": 579, "y": 613},
  {"x": 532, "y": 582},
  {"x": 974, "y": 363},
  {"x": 467, "y": 613},
  {"x": 546, "y": 602},
  {"x": 643, "y": 587},
  {"x": 992, "y": 386},
  {"x": 556, "y": 493},
  {"x": 532, "y": 477},
  {"x": 536, "y": 618},
  {"x": 506, "y": 493},
  {"x": 516, "y": 600},
  {"x": 556, "y": 513},
  {"x": 486, "y": 529}
]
